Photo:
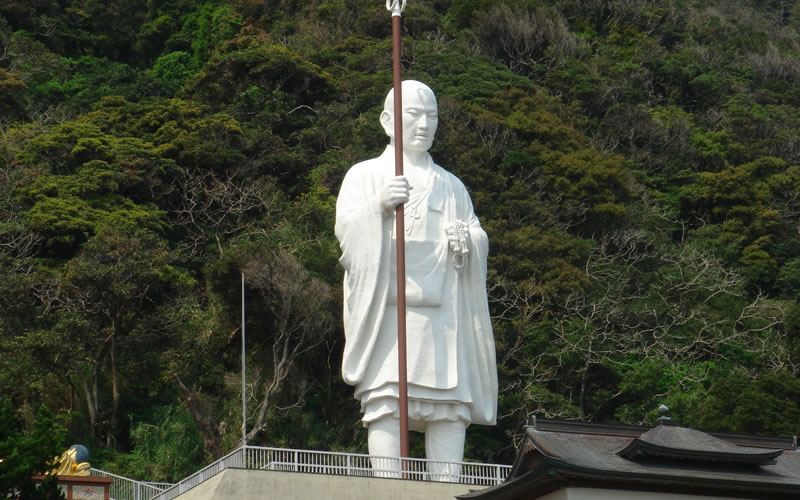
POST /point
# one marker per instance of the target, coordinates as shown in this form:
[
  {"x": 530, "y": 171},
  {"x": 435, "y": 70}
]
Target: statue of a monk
[{"x": 452, "y": 374}]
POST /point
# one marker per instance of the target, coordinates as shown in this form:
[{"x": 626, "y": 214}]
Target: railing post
[{"x": 296, "y": 461}]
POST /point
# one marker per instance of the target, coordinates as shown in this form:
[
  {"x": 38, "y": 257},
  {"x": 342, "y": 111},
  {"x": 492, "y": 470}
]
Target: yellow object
[{"x": 68, "y": 464}]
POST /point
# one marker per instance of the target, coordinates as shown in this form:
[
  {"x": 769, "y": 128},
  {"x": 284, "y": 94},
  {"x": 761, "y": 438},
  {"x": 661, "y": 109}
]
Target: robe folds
[{"x": 451, "y": 352}]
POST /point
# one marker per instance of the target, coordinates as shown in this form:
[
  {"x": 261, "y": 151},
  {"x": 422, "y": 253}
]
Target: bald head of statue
[{"x": 420, "y": 116}]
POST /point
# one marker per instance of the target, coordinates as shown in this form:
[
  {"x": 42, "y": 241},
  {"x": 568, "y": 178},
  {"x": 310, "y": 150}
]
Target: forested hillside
[{"x": 635, "y": 163}]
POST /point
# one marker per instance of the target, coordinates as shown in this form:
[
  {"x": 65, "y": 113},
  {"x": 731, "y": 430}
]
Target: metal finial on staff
[{"x": 397, "y": 7}]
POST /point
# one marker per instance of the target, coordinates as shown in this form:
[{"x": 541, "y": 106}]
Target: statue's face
[{"x": 420, "y": 119}]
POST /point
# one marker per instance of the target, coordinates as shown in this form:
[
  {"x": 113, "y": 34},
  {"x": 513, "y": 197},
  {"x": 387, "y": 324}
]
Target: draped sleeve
[
  {"x": 363, "y": 235},
  {"x": 475, "y": 324}
]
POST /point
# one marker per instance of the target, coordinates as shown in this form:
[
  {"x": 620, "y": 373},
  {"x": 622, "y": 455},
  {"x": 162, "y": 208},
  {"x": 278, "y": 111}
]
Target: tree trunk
[
  {"x": 201, "y": 413},
  {"x": 91, "y": 390},
  {"x": 112, "y": 424},
  {"x": 91, "y": 404}
]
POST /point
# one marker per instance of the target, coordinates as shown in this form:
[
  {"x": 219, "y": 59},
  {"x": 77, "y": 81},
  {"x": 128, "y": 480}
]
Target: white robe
[{"x": 451, "y": 357}]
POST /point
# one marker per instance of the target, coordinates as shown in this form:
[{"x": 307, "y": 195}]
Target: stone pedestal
[{"x": 83, "y": 487}]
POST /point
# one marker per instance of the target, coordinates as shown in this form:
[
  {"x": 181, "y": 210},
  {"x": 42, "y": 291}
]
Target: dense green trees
[
  {"x": 636, "y": 165},
  {"x": 24, "y": 454}
]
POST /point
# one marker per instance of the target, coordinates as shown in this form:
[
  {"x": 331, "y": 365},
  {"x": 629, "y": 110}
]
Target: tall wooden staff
[{"x": 397, "y": 7}]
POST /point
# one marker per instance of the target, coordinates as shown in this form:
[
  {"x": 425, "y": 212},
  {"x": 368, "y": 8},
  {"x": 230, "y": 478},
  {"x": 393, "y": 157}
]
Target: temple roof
[
  {"x": 681, "y": 443},
  {"x": 665, "y": 458}
]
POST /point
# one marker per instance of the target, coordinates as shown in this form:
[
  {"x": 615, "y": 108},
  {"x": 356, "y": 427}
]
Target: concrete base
[{"x": 243, "y": 484}]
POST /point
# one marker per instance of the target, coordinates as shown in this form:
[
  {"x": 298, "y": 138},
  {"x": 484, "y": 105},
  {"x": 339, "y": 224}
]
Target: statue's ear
[{"x": 388, "y": 123}]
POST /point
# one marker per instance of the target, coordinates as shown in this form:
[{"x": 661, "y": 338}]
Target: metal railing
[
  {"x": 234, "y": 459},
  {"x": 345, "y": 464},
  {"x": 124, "y": 488}
]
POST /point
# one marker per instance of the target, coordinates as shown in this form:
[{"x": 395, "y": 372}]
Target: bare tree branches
[
  {"x": 671, "y": 305},
  {"x": 16, "y": 240},
  {"x": 300, "y": 306},
  {"x": 215, "y": 206},
  {"x": 521, "y": 35}
]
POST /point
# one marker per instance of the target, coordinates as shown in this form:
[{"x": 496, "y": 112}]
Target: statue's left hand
[{"x": 453, "y": 236}]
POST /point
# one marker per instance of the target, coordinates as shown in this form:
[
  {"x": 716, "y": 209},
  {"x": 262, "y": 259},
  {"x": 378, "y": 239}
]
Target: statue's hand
[
  {"x": 394, "y": 193},
  {"x": 457, "y": 237}
]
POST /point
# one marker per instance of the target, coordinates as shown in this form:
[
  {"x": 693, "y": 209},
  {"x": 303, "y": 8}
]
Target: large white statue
[{"x": 452, "y": 375}]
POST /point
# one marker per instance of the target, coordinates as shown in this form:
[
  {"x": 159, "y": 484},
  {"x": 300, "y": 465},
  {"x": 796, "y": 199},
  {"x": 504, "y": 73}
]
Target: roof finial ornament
[{"x": 664, "y": 419}]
